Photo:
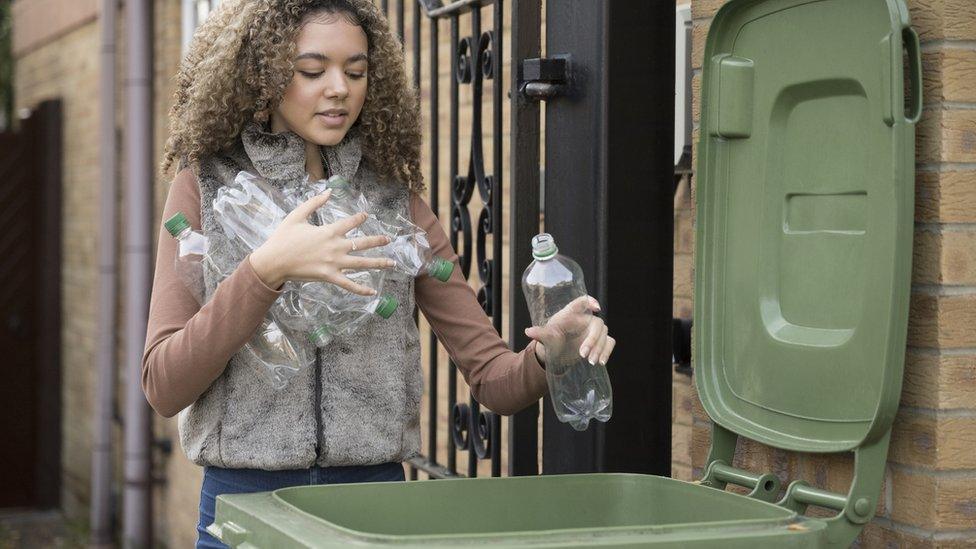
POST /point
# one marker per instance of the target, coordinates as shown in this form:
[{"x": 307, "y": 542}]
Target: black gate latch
[{"x": 544, "y": 78}]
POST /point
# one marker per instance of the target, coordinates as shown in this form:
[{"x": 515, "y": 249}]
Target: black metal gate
[{"x": 594, "y": 47}]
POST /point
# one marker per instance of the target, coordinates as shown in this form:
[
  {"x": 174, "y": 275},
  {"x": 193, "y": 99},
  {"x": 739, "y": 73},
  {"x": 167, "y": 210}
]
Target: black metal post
[
  {"x": 609, "y": 170},
  {"x": 523, "y": 437}
]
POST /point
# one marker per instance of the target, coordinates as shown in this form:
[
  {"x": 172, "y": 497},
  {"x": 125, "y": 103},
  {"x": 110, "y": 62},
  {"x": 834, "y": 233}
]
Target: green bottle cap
[
  {"x": 386, "y": 306},
  {"x": 177, "y": 224},
  {"x": 441, "y": 269},
  {"x": 544, "y": 246},
  {"x": 320, "y": 336},
  {"x": 339, "y": 185}
]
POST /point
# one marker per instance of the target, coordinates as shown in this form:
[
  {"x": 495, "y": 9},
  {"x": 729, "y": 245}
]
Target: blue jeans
[{"x": 218, "y": 481}]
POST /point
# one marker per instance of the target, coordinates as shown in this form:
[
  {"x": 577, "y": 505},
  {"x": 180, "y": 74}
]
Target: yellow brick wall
[
  {"x": 42, "y": 73},
  {"x": 929, "y": 495},
  {"x": 176, "y": 501}
]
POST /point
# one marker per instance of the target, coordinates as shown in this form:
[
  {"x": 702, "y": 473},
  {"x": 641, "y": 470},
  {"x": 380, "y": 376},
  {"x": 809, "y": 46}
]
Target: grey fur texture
[{"x": 371, "y": 383}]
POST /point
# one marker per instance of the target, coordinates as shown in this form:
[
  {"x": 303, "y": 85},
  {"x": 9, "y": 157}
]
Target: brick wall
[
  {"x": 45, "y": 72},
  {"x": 178, "y": 497},
  {"x": 929, "y": 495},
  {"x": 39, "y": 22}
]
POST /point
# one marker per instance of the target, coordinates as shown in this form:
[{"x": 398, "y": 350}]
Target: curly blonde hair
[{"x": 241, "y": 60}]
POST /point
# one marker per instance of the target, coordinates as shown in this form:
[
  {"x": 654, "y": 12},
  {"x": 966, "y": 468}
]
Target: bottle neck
[{"x": 184, "y": 233}]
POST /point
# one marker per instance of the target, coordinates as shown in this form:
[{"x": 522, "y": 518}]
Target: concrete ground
[{"x": 23, "y": 529}]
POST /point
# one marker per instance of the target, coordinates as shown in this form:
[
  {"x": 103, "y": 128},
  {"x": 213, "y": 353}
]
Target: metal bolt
[{"x": 862, "y": 507}]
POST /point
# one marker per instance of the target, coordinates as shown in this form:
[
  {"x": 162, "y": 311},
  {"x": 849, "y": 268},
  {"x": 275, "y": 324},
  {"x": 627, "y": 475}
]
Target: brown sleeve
[
  {"x": 502, "y": 380},
  {"x": 188, "y": 346}
]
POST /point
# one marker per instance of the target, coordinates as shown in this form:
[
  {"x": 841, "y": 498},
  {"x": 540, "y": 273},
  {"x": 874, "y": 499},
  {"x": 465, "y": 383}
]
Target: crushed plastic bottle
[
  {"x": 333, "y": 311},
  {"x": 579, "y": 391},
  {"x": 249, "y": 210},
  {"x": 277, "y": 357},
  {"x": 192, "y": 257},
  {"x": 408, "y": 247}
]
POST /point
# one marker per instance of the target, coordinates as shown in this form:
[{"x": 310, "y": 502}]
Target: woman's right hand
[{"x": 298, "y": 250}]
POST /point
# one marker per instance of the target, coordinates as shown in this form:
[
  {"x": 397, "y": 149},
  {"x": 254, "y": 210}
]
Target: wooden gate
[{"x": 30, "y": 310}]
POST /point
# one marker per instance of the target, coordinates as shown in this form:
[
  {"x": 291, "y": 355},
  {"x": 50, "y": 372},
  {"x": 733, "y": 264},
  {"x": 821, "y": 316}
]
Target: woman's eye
[{"x": 314, "y": 75}]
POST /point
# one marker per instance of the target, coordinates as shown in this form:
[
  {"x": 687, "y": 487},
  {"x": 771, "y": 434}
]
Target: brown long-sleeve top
[{"x": 188, "y": 346}]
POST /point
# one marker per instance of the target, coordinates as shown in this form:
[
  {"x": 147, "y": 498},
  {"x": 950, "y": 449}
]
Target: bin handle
[{"x": 911, "y": 41}]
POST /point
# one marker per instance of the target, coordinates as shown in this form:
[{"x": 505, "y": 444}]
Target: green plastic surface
[
  {"x": 606, "y": 510},
  {"x": 805, "y": 208}
]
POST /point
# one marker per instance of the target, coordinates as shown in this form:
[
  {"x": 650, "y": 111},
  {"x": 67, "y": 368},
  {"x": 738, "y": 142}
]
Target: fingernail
[
  {"x": 584, "y": 351},
  {"x": 391, "y": 263},
  {"x": 592, "y": 362}
]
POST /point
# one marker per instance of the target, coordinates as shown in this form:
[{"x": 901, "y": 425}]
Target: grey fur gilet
[{"x": 360, "y": 403}]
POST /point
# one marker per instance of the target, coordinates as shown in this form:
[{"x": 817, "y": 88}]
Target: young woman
[{"x": 285, "y": 89}]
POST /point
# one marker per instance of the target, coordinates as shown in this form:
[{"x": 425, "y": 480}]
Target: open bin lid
[{"x": 804, "y": 223}]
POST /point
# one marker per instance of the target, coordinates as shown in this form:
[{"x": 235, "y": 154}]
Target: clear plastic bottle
[
  {"x": 331, "y": 311},
  {"x": 408, "y": 247},
  {"x": 345, "y": 200},
  {"x": 249, "y": 210},
  {"x": 275, "y": 355},
  {"x": 579, "y": 391},
  {"x": 192, "y": 257}
]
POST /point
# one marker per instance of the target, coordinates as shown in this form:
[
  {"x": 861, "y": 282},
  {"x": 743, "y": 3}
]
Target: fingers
[
  {"x": 356, "y": 263},
  {"x": 607, "y": 349},
  {"x": 594, "y": 333},
  {"x": 307, "y": 208},
  {"x": 583, "y": 304},
  {"x": 347, "y": 224},
  {"x": 597, "y": 350},
  {"x": 346, "y": 283},
  {"x": 366, "y": 242},
  {"x": 535, "y": 332}
]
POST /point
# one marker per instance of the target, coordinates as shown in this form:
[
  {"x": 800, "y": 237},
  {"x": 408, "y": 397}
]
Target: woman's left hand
[{"x": 574, "y": 323}]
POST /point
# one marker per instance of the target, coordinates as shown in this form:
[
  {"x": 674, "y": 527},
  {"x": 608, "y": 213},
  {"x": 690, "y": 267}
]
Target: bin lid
[{"x": 805, "y": 198}]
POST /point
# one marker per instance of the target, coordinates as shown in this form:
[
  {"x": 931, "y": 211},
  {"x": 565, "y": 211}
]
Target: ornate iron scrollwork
[{"x": 475, "y": 58}]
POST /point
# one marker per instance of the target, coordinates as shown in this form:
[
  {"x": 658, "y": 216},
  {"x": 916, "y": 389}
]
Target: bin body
[{"x": 604, "y": 510}]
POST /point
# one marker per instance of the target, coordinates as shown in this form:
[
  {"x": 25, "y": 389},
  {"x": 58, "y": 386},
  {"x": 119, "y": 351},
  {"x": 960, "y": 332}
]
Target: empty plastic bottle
[
  {"x": 579, "y": 391},
  {"x": 192, "y": 257},
  {"x": 332, "y": 311},
  {"x": 409, "y": 247},
  {"x": 277, "y": 358},
  {"x": 249, "y": 210}
]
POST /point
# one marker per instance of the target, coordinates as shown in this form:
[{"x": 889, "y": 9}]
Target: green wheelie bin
[{"x": 805, "y": 195}]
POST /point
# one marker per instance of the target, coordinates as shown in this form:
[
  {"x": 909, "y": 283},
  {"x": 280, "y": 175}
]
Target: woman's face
[{"x": 327, "y": 91}]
